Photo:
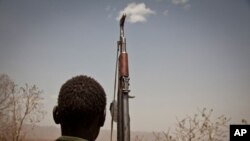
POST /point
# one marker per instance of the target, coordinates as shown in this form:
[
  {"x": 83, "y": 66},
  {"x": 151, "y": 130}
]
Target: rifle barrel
[{"x": 123, "y": 123}]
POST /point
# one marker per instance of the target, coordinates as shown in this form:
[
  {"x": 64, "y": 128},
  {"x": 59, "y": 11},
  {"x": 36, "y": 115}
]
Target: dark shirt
[{"x": 70, "y": 138}]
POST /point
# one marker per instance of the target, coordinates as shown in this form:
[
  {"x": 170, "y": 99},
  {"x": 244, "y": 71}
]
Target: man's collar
[{"x": 70, "y": 138}]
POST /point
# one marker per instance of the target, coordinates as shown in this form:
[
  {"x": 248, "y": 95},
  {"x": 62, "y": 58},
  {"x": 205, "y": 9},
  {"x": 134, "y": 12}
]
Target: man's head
[{"x": 81, "y": 107}]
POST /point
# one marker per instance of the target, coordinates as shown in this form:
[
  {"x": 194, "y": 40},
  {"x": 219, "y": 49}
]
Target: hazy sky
[{"x": 183, "y": 54}]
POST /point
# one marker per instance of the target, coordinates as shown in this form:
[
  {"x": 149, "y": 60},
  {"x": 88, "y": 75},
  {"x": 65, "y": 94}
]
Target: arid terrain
[{"x": 50, "y": 133}]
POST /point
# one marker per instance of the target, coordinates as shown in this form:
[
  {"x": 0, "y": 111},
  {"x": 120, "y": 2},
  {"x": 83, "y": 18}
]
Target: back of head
[{"x": 80, "y": 101}]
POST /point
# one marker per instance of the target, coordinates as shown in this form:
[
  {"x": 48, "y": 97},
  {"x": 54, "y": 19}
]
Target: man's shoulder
[{"x": 69, "y": 138}]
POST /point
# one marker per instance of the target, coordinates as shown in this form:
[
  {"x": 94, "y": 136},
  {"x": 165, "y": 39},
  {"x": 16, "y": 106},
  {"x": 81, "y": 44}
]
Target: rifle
[{"x": 120, "y": 110}]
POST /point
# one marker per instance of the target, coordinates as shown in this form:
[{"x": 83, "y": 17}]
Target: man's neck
[
  {"x": 70, "y": 138},
  {"x": 83, "y": 133}
]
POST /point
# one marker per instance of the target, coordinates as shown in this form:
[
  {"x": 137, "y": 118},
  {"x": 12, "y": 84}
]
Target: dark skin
[
  {"x": 80, "y": 129},
  {"x": 77, "y": 130}
]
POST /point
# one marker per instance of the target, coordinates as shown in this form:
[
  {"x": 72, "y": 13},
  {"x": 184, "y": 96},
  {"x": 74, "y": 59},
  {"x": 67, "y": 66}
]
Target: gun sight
[{"x": 122, "y": 20}]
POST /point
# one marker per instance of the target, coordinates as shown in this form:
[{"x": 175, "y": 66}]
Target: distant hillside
[
  {"x": 41, "y": 133},
  {"x": 50, "y": 133}
]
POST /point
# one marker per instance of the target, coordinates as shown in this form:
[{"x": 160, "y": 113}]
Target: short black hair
[{"x": 81, "y": 98}]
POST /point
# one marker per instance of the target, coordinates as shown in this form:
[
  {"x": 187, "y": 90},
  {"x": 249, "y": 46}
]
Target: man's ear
[
  {"x": 102, "y": 118},
  {"x": 56, "y": 115}
]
